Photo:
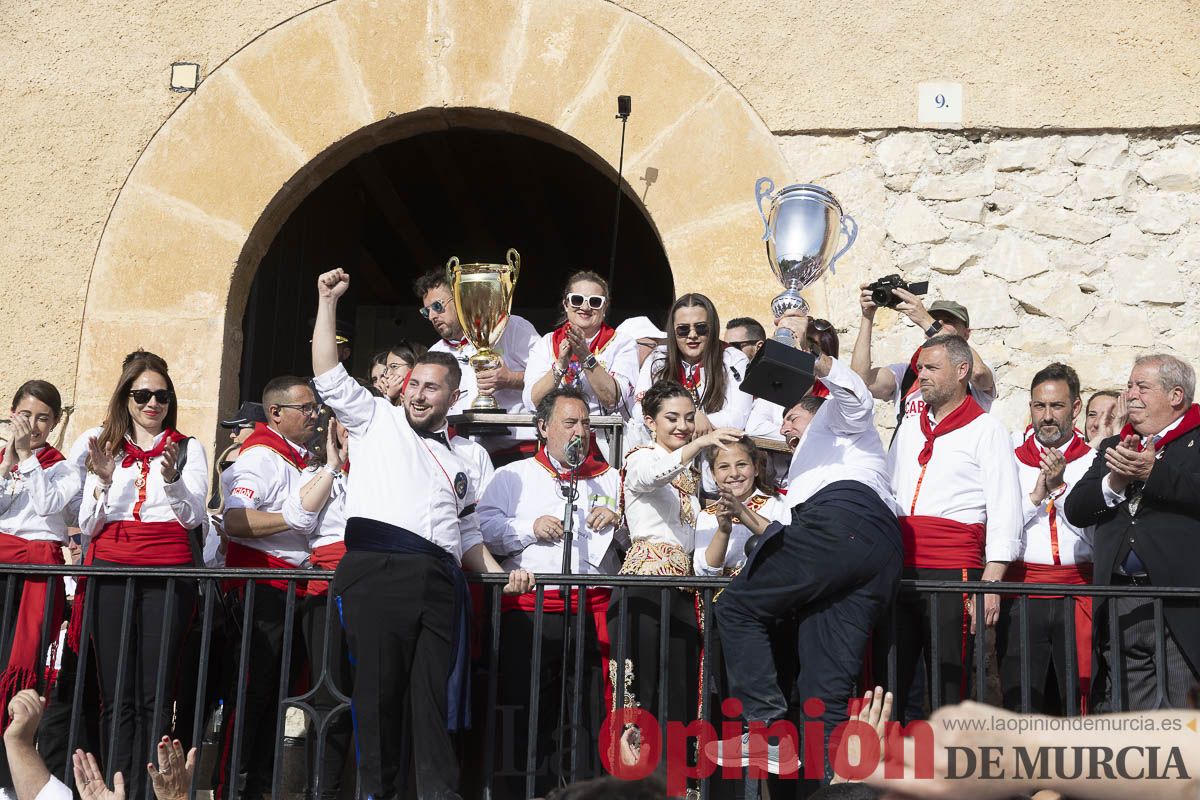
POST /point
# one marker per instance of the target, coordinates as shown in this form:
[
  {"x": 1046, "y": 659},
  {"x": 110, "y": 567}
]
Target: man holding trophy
[{"x": 837, "y": 560}]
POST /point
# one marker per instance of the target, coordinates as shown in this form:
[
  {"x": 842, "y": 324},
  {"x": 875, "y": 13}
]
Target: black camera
[{"x": 883, "y": 290}]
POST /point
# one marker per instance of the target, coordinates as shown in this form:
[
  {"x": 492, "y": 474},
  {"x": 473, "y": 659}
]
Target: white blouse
[
  {"x": 735, "y": 554},
  {"x": 733, "y": 414},
  {"x": 322, "y": 527},
  {"x": 32, "y": 500},
  {"x": 652, "y": 504},
  {"x": 619, "y": 358},
  {"x": 183, "y": 501}
]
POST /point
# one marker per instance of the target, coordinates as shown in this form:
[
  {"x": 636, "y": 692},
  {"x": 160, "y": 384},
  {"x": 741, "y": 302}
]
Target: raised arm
[
  {"x": 880, "y": 380},
  {"x": 330, "y": 287}
]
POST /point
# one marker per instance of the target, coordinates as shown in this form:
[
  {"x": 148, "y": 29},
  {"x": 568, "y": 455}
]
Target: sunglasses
[
  {"x": 594, "y": 301},
  {"x": 683, "y": 331},
  {"x": 436, "y": 307},
  {"x": 744, "y": 343},
  {"x": 821, "y": 325},
  {"x": 142, "y": 396}
]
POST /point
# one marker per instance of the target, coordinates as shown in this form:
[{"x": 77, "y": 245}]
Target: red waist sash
[
  {"x": 238, "y": 556},
  {"x": 26, "y": 658},
  {"x": 327, "y": 556},
  {"x": 147, "y": 544},
  {"x": 939, "y": 543}
]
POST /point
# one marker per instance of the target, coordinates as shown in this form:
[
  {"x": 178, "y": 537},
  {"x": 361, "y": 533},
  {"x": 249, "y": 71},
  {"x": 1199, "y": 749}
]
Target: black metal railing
[{"x": 223, "y": 627}]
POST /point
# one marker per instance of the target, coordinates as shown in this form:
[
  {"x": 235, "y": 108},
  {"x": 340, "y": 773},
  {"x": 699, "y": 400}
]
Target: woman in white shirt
[
  {"x": 695, "y": 357},
  {"x": 36, "y": 483},
  {"x": 659, "y": 504},
  {"x": 144, "y": 495},
  {"x": 721, "y": 539}
]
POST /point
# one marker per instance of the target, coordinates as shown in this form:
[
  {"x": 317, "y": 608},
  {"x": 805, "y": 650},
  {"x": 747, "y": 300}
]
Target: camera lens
[{"x": 881, "y": 297}]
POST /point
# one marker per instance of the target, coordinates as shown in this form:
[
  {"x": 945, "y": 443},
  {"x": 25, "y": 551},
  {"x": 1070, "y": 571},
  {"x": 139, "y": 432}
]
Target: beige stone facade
[{"x": 1065, "y": 212}]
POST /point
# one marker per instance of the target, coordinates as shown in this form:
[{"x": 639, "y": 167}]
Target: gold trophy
[{"x": 483, "y": 296}]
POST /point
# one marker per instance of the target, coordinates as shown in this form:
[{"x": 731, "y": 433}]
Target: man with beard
[
  {"x": 955, "y": 478},
  {"x": 1050, "y": 461},
  {"x": 410, "y": 525}
]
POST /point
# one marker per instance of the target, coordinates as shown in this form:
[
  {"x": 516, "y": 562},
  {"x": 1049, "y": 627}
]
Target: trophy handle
[
  {"x": 851, "y": 232},
  {"x": 514, "y": 260},
  {"x": 450, "y": 265},
  {"x": 759, "y": 195}
]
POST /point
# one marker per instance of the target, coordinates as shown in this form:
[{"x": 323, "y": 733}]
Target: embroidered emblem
[{"x": 460, "y": 485}]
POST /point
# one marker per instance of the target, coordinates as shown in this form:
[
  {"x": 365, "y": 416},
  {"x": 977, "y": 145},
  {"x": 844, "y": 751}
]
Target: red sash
[
  {"x": 819, "y": 389},
  {"x": 1030, "y": 452},
  {"x": 593, "y": 463},
  {"x": 603, "y": 337},
  {"x": 47, "y": 456},
  {"x": 239, "y": 556},
  {"x": 263, "y": 436},
  {"x": 960, "y": 417},
  {"x": 939, "y": 543},
  {"x": 1070, "y": 575},
  {"x": 25, "y": 657},
  {"x": 1190, "y": 421},
  {"x": 136, "y": 455},
  {"x": 327, "y": 556}
]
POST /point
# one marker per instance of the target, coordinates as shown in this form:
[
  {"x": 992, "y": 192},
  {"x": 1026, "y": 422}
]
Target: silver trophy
[{"x": 802, "y": 231}]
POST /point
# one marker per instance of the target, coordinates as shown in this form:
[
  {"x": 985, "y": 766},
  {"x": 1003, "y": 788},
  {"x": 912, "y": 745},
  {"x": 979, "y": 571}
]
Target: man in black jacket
[{"x": 1142, "y": 493}]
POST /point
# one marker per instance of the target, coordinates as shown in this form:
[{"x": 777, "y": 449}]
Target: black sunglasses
[
  {"x": 821, "y": 325},
  {"x": 142, "y": 396},
  {"x": 437, "y": 307},
  {"x": 682, "y": 331}
]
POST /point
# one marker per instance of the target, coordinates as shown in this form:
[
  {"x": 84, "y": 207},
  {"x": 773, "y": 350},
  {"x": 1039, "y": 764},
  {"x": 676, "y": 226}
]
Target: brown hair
[
  {"x": 43, "y": 391},
  {"x": 712, "y": 359},
  {"x": 763, "y": 474},
  {"x": 117, "y": 422},
  {"x": 576, "y": 277}
]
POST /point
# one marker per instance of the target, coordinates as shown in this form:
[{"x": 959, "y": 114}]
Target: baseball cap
[
  {"x": 247, "y": 414},
  {"x": 953, "y": 309}
]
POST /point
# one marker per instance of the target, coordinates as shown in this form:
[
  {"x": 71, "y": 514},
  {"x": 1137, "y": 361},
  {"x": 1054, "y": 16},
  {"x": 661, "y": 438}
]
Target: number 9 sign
[{"x": 939, "y": 103}]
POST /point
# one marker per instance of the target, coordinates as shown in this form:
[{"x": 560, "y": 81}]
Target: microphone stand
[{"x": 571, "y": 492}]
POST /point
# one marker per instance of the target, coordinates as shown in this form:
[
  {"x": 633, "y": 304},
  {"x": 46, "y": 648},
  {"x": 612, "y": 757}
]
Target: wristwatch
[
  {"x": 589, "y": 363},
  {"x": 934, "y": 328}
]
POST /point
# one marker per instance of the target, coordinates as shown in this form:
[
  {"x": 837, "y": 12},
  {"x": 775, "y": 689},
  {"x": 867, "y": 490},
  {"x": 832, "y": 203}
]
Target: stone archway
[{"x": 206, "y": 196}]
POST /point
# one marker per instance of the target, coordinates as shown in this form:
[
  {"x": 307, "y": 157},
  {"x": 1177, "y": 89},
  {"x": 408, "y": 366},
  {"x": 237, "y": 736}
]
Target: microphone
[{"x": 574, "y": 452}]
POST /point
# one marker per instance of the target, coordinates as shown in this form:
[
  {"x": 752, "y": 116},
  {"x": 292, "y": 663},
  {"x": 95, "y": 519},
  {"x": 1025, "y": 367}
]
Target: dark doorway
[{"x": 406, "y": 207}]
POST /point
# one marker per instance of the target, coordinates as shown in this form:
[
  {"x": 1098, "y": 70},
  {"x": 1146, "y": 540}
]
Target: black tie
[{"x": 438, "y": 436}]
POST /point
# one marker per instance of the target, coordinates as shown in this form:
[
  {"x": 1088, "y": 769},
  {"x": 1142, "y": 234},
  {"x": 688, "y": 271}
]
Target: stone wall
[{"x": 1079, "y": 248}]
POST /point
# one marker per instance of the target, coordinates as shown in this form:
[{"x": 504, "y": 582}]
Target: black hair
[
  {"x": 428, "y": 282},
  {"x": 1057, "y": 372},
  {"x": 752, "y": 326},
  {"x": 44, "y": 391},
  {"x": 545, "y": 408},
  {"x": 276, "y": 388},
  {"x": 446, "y": 360},
  {"x": 659, "y": 393}
]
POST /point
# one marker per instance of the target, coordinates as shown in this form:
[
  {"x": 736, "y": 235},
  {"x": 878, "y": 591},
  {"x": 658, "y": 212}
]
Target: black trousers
[
  {"x": 517, "y": 645},
  {"x": 914, "y": 636},
  {"x": 151, "y": 632},
  {"x": 261, "y": 677},
  {"x": 398, "y": 614},
  {"x": 328, "y": 666},
  {"x": 682, "y": 658},
  {"x": 838, "y": 570},
  {"x": 1045, "y": 642}
]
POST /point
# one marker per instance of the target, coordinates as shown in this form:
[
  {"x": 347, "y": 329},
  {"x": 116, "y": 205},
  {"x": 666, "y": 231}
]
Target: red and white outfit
[
  {"x": 616, "y": 354},
  {"x": 914, "y": 404},
  {"x": 1052, "y": 551},
  {"x": 960, "y": 507},
  {"x": 33, "y": 496},
  {"x": 772, "y": 508},
  {"x": 325, "y": 529}
]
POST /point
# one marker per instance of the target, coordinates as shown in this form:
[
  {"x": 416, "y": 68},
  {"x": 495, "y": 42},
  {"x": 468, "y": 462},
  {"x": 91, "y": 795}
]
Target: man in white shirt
[
  {"x": 1050, "y": 461},
  {"x": 410, "y": 525},
  {"x": 256, "y": 487},
  {"x": 507, "y": 381},
  {"x": 836, "y": 562},
  {"x": 521, "y": 516},
  {"x": 954, "y": 476},
  {"x": 898, "y": 382}
]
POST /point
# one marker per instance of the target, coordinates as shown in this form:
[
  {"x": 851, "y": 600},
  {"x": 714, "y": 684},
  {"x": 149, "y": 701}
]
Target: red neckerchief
[
  {"x": 136, "y": 455},
  {"x": 263, "y": 436},
  {"x": 819, "y": 389},
  {"x": 960, "y": 417},
  {"x": 598, "y": 343},
  {"x": 47, "y": 456},
  {"x": 592, "y": 465},
  {"x": 456, "y": 345},
  {"x": 690, "y": 378},
  {"x": 1030, "y": 453},
  {"x": 1190, "y": 421}
]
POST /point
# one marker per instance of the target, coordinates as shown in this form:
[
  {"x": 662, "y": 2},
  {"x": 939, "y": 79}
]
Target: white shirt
[
  {"x": 733, "y": 414},
  {"x": 765, "y": 420},
  {"x": 263, "y": 480},
  {"x": 652, "y": 504},
  {"x": 1074, "y": 545},
  {"x": 914, "y": 405},
  {"x": 518, "y": 339},
  {"x": 32, "y": 500},
  {"x": 841, "y": 442},
  {"x": 53, "y": 790},
  {"x": 773, "y": 508},
  {"x": 619, "y": 358},
  {"x": 524, "y": 490},
  {"x": 971, "y": 478},
  {"x": 477, "y": 459},
  {"x": 182, "y": 501},
  {"x": 398, "y": 477},
  {"x": 326, "y": 526}
]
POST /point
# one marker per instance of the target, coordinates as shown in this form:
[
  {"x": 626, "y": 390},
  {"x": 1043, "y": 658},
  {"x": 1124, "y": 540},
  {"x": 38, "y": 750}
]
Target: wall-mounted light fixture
[{"x": 185, "y": 76}]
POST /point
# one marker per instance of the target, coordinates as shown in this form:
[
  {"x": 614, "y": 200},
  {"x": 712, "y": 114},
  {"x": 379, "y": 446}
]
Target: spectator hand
[
  {"x": 25, "y": 711},
  {"x": 100, "y": 462},
  {"x": 170, "y": 472},
  {"x": 1054, "y": 464},
  {"x": 1126, "y": 463},
  {"x": 89, "y": 780},
  {"x": 796, "y": 322},
  {"x": 876, "y": 711},
  {"x": 720, "y": 437},
  {"x": 991, "y": 610},
  {"x": 865, "y": 302},
  {"x": 491, "y": 380},
  {"x": 704, "y": 425},
  {"x": 547, "y": 528},
  {"x": 520, "y": 581},
  {"x": 911, "y": 306},
  {"x": 601, "y": 517},
  {"x": 578, "y": 344},
  {"x": 21, "y": 433},
  {"x": 333, "y": 284},
  {"x": 173, "y": 778}
]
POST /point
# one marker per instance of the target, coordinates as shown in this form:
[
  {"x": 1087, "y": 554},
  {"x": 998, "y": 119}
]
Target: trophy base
[
  {"x": 485, "y": 358},
  {"x": 788, "y": 301},
  {"x": 484, "y": 402},
  {"x": 780, "y": 374}
]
